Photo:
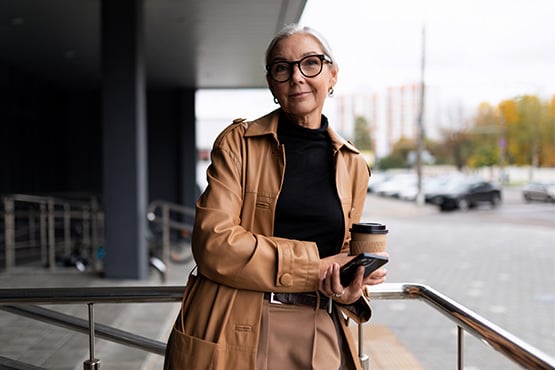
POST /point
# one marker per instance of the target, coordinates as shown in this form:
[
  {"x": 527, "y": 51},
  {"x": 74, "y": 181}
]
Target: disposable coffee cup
[{"x": 368, "y": 237}]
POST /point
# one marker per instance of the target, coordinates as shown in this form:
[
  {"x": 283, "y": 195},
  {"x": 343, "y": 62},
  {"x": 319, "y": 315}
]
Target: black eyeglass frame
[{"x": 323, "y": 59}]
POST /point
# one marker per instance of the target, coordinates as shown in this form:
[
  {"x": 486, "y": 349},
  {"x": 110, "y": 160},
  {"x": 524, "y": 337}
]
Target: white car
[
  {"x": 375, "y": 179},
  {"x": 395, "y": 184},
  {"x": 540, "y": 191}
]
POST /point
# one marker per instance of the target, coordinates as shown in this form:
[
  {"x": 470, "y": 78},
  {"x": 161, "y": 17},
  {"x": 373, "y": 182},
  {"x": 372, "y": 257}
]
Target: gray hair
[{"x": 292, "y": 29}]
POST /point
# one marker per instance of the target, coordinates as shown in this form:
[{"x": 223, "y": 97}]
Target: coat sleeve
[{"x": 228, "y": 253}]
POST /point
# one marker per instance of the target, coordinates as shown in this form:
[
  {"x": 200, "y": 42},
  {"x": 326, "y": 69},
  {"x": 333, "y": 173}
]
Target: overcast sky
[{"x": 475, "y": 50}]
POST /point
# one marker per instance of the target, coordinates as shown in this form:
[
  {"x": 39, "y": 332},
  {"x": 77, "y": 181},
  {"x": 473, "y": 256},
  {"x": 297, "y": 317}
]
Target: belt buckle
[{"x": 273, "y": 300}]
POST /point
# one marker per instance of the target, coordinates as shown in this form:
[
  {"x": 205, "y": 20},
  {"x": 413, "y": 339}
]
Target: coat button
[{"x": 286, "y": 280}]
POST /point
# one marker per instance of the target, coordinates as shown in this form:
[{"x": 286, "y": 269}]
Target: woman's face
[{"x": 301, "y": 97}]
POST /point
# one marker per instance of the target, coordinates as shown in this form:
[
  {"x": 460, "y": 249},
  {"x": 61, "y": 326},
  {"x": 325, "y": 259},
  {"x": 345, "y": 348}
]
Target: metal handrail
[
  {"x": 52, "y": 212},
  {"x": 499, "y": 339},
  {"x": 159, "y": 211},
  {"x": 502, "y": 341},
  {"x": 82, "y": 326}
]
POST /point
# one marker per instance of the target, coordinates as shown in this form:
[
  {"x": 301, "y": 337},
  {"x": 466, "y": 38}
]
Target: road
[{"x": 498, "y": 262}]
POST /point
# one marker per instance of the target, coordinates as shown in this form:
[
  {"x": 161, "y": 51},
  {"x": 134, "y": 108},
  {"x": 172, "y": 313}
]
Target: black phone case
[{"x": 371, "y": 263}]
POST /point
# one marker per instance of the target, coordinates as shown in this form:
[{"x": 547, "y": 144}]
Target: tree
[
  {"x": 399, "y": 154},
  {"x": 362, "y": 138},
  {"x": 483, "y": 156},
  {"x": 529, "y": 108},
  {"x": 547, "y": 135},
  {"x": 455, "y": 148},
  {"x": 508, "y": 113},
  {"x": 524, "y": 128},
  {"x": 519, "y": 131},
  {"x": 485, "y": 137}
]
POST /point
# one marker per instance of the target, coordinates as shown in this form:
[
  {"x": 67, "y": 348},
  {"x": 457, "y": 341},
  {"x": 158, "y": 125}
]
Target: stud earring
[
  {"x": 330, "y": 91},
  {"x": 276, "y": 100}
]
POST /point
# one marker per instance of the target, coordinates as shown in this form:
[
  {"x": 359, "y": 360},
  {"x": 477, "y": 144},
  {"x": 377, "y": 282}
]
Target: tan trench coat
[{"x": 238, "y": 258}]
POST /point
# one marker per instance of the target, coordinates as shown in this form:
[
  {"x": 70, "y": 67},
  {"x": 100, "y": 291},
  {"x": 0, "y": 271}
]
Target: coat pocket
[{"x": 187, "y": 352}]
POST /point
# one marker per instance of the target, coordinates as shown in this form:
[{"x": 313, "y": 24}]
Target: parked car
[
  {"x": 438, "y": 185},
  {"x": 375, "y": 179},
  {"x": 430, "y": 186},
  {"x": 467, "y": 194},
  {"x": 410, "y": 191},
  {"x": 394, "y": 184},
  {"x": 540, "y": 191}
]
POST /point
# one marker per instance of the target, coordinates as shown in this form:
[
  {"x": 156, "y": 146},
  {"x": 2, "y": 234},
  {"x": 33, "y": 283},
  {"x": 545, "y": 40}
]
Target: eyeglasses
[{"x": 310, "y": 66}]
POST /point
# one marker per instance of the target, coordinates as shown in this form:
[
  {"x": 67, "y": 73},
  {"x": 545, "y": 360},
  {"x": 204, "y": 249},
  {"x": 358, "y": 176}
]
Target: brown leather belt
[{"x": 299, "y": 299}]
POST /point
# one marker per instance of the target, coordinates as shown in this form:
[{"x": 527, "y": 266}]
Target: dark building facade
[{"x": 115, "y": 116}]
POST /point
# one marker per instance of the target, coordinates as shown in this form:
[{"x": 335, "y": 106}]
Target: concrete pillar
[
  {"x": 188, "y": 152},
  {"x": 124, "y": 139}
]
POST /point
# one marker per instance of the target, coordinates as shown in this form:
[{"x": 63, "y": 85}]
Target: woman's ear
[{"x": 333, "y": 77}]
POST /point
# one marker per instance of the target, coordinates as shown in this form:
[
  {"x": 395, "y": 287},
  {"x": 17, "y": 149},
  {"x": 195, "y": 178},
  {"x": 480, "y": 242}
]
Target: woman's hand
[
  {"x": 378, "y": 276},
  {"x": 330, "y": 284}
]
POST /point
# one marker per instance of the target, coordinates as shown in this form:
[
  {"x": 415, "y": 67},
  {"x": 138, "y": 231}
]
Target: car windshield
[{"x": 458, "y": 186}]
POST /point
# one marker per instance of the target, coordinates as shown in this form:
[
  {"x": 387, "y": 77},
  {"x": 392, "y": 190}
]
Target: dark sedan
[{"x": 467, "y": 194}]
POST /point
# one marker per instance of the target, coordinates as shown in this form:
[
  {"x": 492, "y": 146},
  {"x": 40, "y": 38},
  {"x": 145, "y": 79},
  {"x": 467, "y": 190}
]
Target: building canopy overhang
[{"x": 192, "y": 44}]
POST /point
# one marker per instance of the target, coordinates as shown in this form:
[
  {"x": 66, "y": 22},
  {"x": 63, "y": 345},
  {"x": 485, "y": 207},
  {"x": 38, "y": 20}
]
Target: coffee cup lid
[{"x": 369, "y": 228}]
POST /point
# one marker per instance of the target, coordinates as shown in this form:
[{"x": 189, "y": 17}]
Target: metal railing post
[
  {"x": 43, "y": 235},
  {"x": 86, "y": 222},
  {"x": 364, "y": 360},
  {"x": 51, "y": 236},
  {"x": 166, "y": 233},
  {"x": 460, "y": 348},
  {"x": 9, "y": 233},
  {"x": 94, "y": 231},
  {"x": 67, "y": 229},
  {"x": 180, "y": 223},
  {"x": 32, "y": 229},
  {"x": 92, "y": 363}
]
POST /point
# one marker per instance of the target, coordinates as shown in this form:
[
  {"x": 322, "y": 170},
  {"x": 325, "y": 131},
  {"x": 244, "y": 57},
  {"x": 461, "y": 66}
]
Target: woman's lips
[{"x": 299, "y": 95}]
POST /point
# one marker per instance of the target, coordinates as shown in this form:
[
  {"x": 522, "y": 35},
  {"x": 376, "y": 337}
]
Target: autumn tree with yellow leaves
[
  {"x": 518, "y": 131},
  {"x": 529, "y": 128}
]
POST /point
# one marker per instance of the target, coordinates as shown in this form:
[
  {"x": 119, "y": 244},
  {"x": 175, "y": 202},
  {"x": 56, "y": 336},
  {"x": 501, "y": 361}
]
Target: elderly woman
[{"x": 272, "y": 230}]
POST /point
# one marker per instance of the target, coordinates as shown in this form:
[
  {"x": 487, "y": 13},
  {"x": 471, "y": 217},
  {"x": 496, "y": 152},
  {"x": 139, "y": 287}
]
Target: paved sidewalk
[{"x": 500, "y": 269}]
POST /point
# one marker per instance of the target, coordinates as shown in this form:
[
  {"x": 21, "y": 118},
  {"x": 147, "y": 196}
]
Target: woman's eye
[
  {"x": 312, "y": 62},
  {"x": 280, "y": 68}
]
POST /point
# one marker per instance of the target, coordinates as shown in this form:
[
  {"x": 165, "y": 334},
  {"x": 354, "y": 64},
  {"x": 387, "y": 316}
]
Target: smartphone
[{"x": 371, "y": 263}]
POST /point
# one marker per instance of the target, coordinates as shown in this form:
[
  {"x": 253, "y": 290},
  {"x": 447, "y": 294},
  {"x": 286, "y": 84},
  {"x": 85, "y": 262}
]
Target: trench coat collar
[{"x": 267, "y": 125}]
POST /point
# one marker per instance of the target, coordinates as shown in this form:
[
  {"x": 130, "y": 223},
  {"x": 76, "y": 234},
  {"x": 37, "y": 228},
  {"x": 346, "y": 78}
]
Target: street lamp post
[{"x": 420, "y": 124}]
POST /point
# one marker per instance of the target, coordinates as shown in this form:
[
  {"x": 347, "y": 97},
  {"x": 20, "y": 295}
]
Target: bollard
[
  {"x": 92, "y": 363},
  {"x": 364, "y": 360}
]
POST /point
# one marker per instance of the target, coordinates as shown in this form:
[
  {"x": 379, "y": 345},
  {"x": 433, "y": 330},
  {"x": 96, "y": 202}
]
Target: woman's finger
[
  {"x": 336, "y": 287},
  {"x": 326, "y": 283},
  {"x": 377, "y": 277}
]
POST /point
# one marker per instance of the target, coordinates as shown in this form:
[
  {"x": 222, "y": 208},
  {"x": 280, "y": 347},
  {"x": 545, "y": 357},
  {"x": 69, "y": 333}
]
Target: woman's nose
[{"x": 296, "y": 74}]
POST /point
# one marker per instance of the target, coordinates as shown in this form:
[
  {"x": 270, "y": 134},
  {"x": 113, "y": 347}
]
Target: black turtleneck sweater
[{"x": 308, "y": 206}]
